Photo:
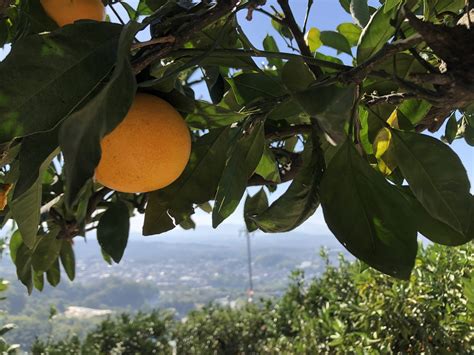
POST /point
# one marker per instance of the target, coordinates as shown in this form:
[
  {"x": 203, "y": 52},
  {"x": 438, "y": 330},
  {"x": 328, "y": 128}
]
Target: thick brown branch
[
  {"x": 359, "y": 73},
  {"x": 4, "y": 5},
  {"x": 290, "y": 21}
]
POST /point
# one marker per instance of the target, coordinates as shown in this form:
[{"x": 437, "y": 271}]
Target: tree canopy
[{"x": 350, "y": 137}]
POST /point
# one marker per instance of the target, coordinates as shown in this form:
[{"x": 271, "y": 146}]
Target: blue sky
[{"x": 325, "y": 15}]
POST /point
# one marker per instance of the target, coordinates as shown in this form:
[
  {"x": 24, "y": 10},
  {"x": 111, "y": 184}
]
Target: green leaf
[
  {"x": 6, "y": 328},
  {"x": 34, "y": 152},
  {"x": 254, "y": 205},
  {"x": 53, "y": 275},
  {"x": 374, "y": 36},
  {"x": 436, "y": 176},
  {"x": 106, "y": 257},
  {"x": 270, "y": 45},
  {"x": 451, "y": 129},
  {"x": 38, "y": 280},
  {"x": 390, "y": 4},
  {"x": 207, "y": 116},
  {"x": 367, "y": 214},
  {"x": 330, "y": 105},
  {"x": 434, "y": 229},
  {"x": 360, "y": 12},
  {"x": 26, "y": 208},
  {"x": 14, "y": 244},
  {"x": 196, "y": 185},
  {"x": 42, "y": 80},
  {"x": 46, "y": 250},
  {"x": 113, "y": 229},
  {"x": 351, "y": 32},
  {"x": 244, "y": 158},
  {"x": 23, "y": 266},
  {"x": 282, "y": 30},
  {"x": 268, "y": 166},
  {"x": 296, "y": 75},
  {"x": 81, "y": 133},
  {"x": 68, "y": 259},
  {"x": 300, "y": 201},
  {"x": 337, "y": 41},
  {"x": 251, "y": 86},
  {"x": 414, "y": 110},
  {"x": 345, "y": 4}
]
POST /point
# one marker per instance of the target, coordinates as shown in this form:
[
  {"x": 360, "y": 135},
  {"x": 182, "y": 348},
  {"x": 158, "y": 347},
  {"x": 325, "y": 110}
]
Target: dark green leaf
[
  {"x": 43, "y": 79},
  {"x": 367, "y": 214},
  {"x": 360, "y": 12},
  {"x": 81, "y": 133},
  {"x": 336, "y": 40},
  {"x": 375, "y": 35},
  {"x": 244, "y": 158},
  {"x": 196, "y": 185},
  {"x": 451, "y": 129},
  {"x": 296, "y": 75},
  {"x": 414, "y": 110},
  {"x": 432, "y": 228},
  {"x": 436, "y": 176},
  {"x": 346, "y": 4},
  {"x": 26, "y": 208},
  {"x": 299, "y": 202},
  {"x": 23, "y": 266},
  {"x": 215, "y": 83},
  {"x": 53, "y": 275},
  {"x": 330, "y": 105},
  {"x": 68, "y": 259},
  {"x": 113, "y": 229},
  {"x": 251, "y": 86},
  {"x": 46, "y": 250},
  {"x": 35, "y": 151},
  {"x": 254, "y": 205}
]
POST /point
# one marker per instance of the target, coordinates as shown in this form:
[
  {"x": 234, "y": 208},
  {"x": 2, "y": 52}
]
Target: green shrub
[{"x": 349, "y": 309}]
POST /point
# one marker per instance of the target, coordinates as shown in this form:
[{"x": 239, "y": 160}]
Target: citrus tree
[{"x": 91, "y": 125}]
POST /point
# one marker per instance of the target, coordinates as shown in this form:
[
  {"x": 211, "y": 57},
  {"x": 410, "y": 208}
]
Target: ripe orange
[
  {"x": 148, "y": 150},
  {"x": 65, "y": 12}
]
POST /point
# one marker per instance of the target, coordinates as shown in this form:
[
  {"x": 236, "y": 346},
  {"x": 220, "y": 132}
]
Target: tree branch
[
  {"x": 359, "y": 73},
  {"x": 298, "y": 35},
  {"x": 223, "y": 8},
  {"x": 288, "y": 132},
  {"x": 393, "y": 98}
]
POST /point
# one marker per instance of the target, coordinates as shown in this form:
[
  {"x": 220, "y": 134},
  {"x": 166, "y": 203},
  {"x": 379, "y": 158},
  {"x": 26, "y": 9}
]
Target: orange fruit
[
  {"x": 148, "y": 150},
  {"x": 65, "y": 12}
]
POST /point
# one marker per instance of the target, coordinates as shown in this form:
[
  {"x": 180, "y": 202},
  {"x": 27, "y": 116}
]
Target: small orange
[
  {"x": 148, "y": 150},
  {"x": 65, "y": 12}
]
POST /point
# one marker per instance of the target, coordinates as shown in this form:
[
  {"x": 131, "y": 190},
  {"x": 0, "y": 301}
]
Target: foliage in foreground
[
  {"x": 345, "y": 310},
  {"x": 361, "y": 155}
]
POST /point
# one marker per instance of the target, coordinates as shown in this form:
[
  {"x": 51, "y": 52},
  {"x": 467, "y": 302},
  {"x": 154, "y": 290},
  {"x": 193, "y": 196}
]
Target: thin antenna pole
[{"x": 249, "y": 260}]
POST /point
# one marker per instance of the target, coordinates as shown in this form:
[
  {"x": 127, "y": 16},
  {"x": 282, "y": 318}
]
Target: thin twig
[
  {"x": 298, "y": 35},
  {"x": 116, "y": 14},
  {"x": 273, "y": 17}
]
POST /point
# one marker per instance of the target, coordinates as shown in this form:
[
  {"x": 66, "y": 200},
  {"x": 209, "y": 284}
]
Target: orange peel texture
[
  {"x": 65, "y": 12},
  {"x": 148, "y": 150}
]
